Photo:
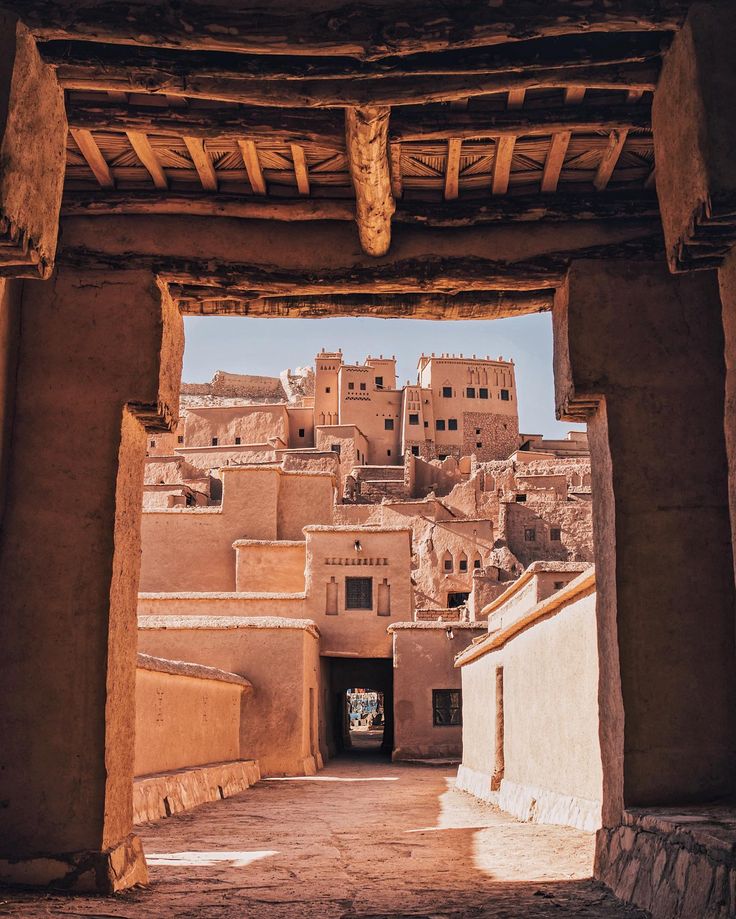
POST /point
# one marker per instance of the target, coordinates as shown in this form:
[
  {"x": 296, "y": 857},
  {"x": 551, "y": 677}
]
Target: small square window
[
  {"x": 476, "y": 563},
  {"x": 426, "y": 424},
  {"x": 505, "y": 395},
  {"x": 448, "y": 564},
  {"x": 336, "y": 448},
  {"x": 447, "y": 392},
  {"x": 452, "y": 424},
  {"x": 388, "y": 424},
  {"x": 442, "y": 456},
  {"x": 558, "y": 585},
  {"x": 363, "y": 387},
  {"x": 530, "y": 534},
  {"x": 520, "y": 499},
  {"x": 555, "y": 534},
  {"x": 351, "y": 385},
  {"x": 440, "y": 424},
  {"x": 447, "y": 707},
  {"x": 214, "y": 441},
  {"x": 413, "y": 419},
  {"x": 180, "y": 439},
  {"x": 415, "y": 451},
  {"x": 478, "y": 445},
  {"x": 477, "y": 430},
  {"x": 470, "y": 392},
  {"x": 327, "y": 389},
  {"x": 237, "y": 441},
  {"x": 379, "y": 382},
  {"x": 301, "y": 432},
  {"x": 483, "y": 392},
  {"x": 463, "y": 564},
  {"x": 153, "y": 443},
  {"x": 358, "y": 593}
]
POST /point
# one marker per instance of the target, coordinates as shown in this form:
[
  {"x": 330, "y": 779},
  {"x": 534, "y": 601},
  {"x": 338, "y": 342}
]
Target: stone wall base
[
  {"x": 675, "y": 863},
  {"x": 165, "y": 793},
  {"x": 105, "y": 872}
]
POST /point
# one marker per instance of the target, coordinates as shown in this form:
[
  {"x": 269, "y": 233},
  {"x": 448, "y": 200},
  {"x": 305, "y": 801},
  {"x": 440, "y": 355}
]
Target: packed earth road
[{"x": 363, "y": 839}]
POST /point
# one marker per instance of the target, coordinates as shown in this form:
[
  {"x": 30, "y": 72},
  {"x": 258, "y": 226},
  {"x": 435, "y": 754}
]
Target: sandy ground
[{"x": 364, "y": 838}]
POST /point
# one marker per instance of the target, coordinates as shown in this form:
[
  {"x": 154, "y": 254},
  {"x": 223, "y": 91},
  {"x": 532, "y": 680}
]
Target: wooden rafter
[
  {"x": 366, "y": 141},
  {"x": 502, "y": 165},
  {"x": 147, "y": 155},
  {"x": 574, "y": 95},
  {"x": 301, "y": 172},
  {"x": 202, "y": 163},
  {"x": 516, "y": 98},
  {"x": 95, "y": 160},
  {"x": 252, "y": 164},
  {"x": 555, "y": 159},
  {"x": 452, "y": 168},
  {"x": 611, "y": 156},
  {"x": 395, "y": 164},
  {"x": 398, "y": 27},
  {"x": 634, "y": 95}
]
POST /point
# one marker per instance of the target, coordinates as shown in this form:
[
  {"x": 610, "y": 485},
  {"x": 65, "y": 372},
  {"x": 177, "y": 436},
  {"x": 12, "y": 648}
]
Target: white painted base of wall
[
  {"x": 540, "y": 805},
  {"x": 531, "y": 804}
]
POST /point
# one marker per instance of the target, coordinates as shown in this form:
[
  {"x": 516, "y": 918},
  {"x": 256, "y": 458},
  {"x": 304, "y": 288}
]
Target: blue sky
[{"x": 267, "y": 346}]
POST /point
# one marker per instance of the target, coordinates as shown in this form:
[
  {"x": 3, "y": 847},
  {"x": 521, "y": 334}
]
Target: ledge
[
  {"x": 527, "y": 575},
  {"x": 220, "y": 595},
  {"x": 354, "y": 528},
  {"x": 186, "y": 668},
  {"x": 444, "y": 625},
  {"x": 239, "y": 543},
  {"x": 184, "y": 623}
]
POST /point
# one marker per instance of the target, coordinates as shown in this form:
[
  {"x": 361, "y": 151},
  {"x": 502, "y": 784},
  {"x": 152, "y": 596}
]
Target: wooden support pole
[
  {"x": 452, "y": 169},
  {"x": 300, "y": 169},
  {"x": 202, "y": 163},
  {"x": 554, "y": 162},
  {"x": 95, "y": 160},
  {"x": 366, "y": 141},
  {"x": 146, "y": 154},
  {"x": 397, "y": 185},
  {"x": 252, "y": 164},
  {"x": 611, "y": 156},
  {"x": 502, "y": 165}
]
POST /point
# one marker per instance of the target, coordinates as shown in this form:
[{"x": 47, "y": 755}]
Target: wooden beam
[
  {"x": 516, "y": 99},
  {"x": 574, "y": 95},
  {"x": 327, "y": 127},
  {"x": 510, "y": 209},
  {"x": 452, "y": 168},
  {"x": 397, "y": 187},
  {"x": 197, "y": 301},
  {"x": 366, "y": 142},
  {"x": 502, "y": 165},
  {"x": 555, "y": 160},
  {"x": 300, "y": 169},
  {"x": 611, "y": 155},
  {"x": 634, "y": 95},
  {"x": 249, "y": 152},
  {"x": 398, "y": 27},
  {"x": 147, "y": 155},
  {"x": 94, "y": 158},
  {"x": 202, "y": 163}
]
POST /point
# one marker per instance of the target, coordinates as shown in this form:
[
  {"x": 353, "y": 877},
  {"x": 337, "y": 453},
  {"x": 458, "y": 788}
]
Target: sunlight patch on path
[{"x": 208, "y": 859}]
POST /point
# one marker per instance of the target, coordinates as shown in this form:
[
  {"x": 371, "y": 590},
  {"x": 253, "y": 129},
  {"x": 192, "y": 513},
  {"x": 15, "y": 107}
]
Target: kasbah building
[{"x": 217, "y": 599}]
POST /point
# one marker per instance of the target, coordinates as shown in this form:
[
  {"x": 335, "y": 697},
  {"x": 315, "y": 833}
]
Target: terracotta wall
[
  {"x": 184, "y": 718},
  {"x": 279, "y": 658},
  {"x": 268, "y": 567},
  {"x": 9, "y": 332}
]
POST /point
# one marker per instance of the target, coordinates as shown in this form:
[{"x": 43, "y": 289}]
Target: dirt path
[{"x": 364, "y": 838}]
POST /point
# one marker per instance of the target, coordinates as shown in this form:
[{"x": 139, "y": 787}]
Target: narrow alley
[{"x": 363, "y": 838}]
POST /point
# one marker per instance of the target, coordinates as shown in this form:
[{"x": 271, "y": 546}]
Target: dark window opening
[
  {"x": 479, "y": 445},
  {"x": 530, "y": 534},
  {"x": 426, "y": 424},
  {"x": 452, "y": 424},
  {"x": 520, "y": 499},
  {"x": 153, "y": 443},
  {"x": 214, "y": 441},
  {"x": 476, "y": 563},
  {"x": 388, "y": 424},
  {"x": 442, "y": 456},
  {"x": 415, "y": 451},
  {"x": 388, "y": 453},
  {"x": 351, "y": 385},
  {"x": 301, "y": 432},
  {"x": 558, "y": 585},
  {"x": 358, "y": 593},
  {"x": 555, "y": 534},
  {"x": 237, "y": 441},
  {"x": 463, "y": 564},
  {"x": 483, "y": 392},
  {"x": 379, "y": 382},
  {"x": 504, "y": 395},
  {"x": 336, "y": 448},
  {"x": 447, "y": 392},
  {"x": 180, "y": 439},
  {"x": 440, "y": 424},
  {"x": 470, "y": 391},
  {"x": 448, "y": 564},
  {"x": 327, "y": 389},
  {"x": 457, "y": 598},
  {"x": 363, "y": 387},
  {"x": 477, "y": 430},
  {"x": 413, "y": 419},
  {"x": 447, "y": 707}
]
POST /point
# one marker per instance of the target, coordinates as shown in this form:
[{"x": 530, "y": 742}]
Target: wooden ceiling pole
[
  {"x": 502, "y": 165},
  {"x": 574, "y": 95},
  {"x": 147, "y": 155},
  {"x": 611, "y": 156},
  {"x": 366, "y": 140},
  {"x": 249, "y": 152},
  {"x": 202, "y": 163},
  {"x": 397, "y": 182},
  {"x": 95, "y": 160},
  {"x": 516, "y": 99},
  {"x": 301, "y": 172},
  {"x": 452, "y": 170},
  {"x": 555, "y": 159}
]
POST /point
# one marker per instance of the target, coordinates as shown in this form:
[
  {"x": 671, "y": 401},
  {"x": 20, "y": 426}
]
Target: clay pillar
[
  {"x": 98, "y": 364},
  {"x": 639, "y": 354}
]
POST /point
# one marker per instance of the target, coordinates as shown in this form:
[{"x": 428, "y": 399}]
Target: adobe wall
[
  {"x": 384, "y": 557},
  {"x": 252, "y": 424},
  {"x": 289, "y": 606},
  {"x": 280, "y": 659},
  {"x": 552, "y": 759},
  {"x": 304, "y": 498},
  {"x": 270, "y": 567},
  {"x": 497, "y": 434},
  {"x": 423, "y": 658},
  {"x": 186, "y": 715},
  {"x": 543, "y": 511},
  {"x": 9, "y": 331},
  {"x": 238, "y": 385}
]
